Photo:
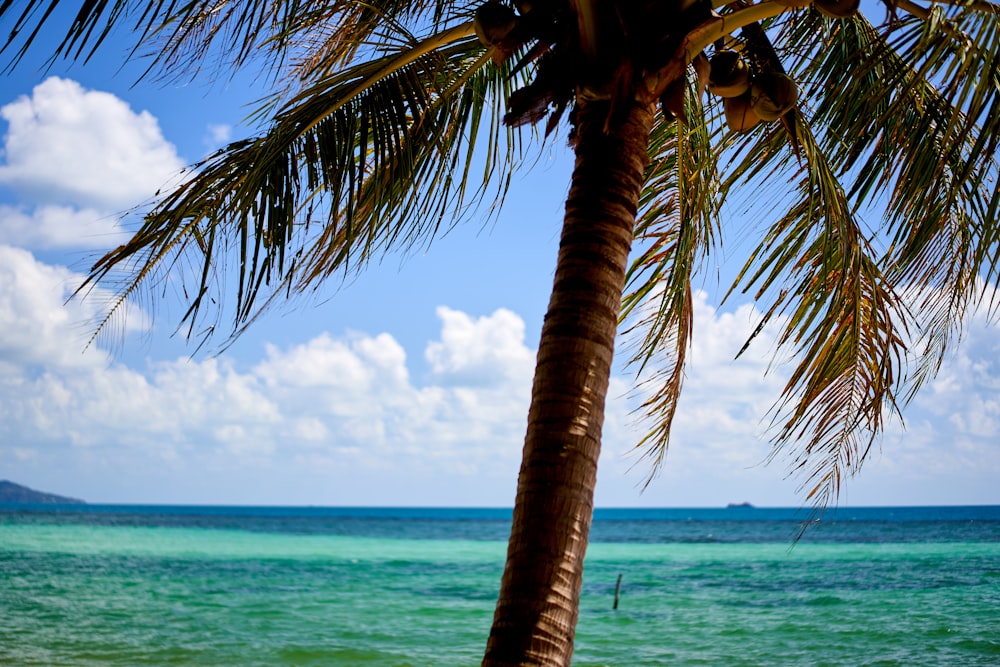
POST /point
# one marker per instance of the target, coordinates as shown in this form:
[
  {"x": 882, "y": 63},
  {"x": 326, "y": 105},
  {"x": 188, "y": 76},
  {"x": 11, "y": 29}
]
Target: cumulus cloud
[
  {"x": 218, "y": 135},
  {"x": 56, "y": 226},
  {"x": 970, "y": 363},
  {"x": 343, "y": 403},
  {"x": 953, "y": 424},
  {"x": 38, "y": 327},
  {"x": 66, "y": 145},
  {"x": 73, "y": 158},
  {"x": 482, "y": 350},
  {"x": 719, "y": 436},
  {"x": 357, "y": 392},
  {"x": 352, "y": 406}
]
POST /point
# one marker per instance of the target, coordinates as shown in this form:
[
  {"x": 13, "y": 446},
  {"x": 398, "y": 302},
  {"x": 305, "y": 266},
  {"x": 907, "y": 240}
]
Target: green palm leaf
[
  {"x": 320, "y": 34},
  {"x": 886, "y": 126},
  {"x": 677, "y": 226},
  {"x": 362, "y": 162},
  {"x": 917, "y": 124},
  {"x": 844, "y": 322}
]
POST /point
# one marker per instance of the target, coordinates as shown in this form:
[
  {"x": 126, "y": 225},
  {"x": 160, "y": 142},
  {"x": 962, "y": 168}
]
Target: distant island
[
  {"x": 733, "y": 506},
  {"x": 15, "y": 493}
]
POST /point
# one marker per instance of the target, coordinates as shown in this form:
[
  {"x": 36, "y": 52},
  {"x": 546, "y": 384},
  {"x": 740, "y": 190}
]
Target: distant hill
[{"x": 15, "y": 493}]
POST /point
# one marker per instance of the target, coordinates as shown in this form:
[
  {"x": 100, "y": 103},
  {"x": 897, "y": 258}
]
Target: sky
[{"x": 406, "y": 386}]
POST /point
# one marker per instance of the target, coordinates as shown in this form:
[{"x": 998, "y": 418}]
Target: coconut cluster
[
  {"x": 749, "y": 78},
  {"x": 748, "y": 97},
  {"x": 499, "y": 26},
  {"x": 493, "y": 22}
]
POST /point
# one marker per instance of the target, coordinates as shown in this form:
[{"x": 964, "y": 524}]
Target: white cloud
[
  {"x": 336, "y": 404},
  {"x": 38, "y": 327},
  {"x": 56, "y": 226},
  {"x": 725, "y": 400},
  {"x": 218, "y": 135},
  {"x": 719, "y": 434},
  {"x": 967, "y": 389},
  {"x": 356, "y": 365},
  {"x": 73, "y": 156},
  {"x": 480, "y": 351},
  {"x": 70, "y": 146},
  {"x": 953, "y": 423},
  {"x": 357, "y": 391}
]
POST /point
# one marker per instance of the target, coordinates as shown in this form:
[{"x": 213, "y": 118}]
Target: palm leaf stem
[
  {"x": 394, "y": 64},
  {"x": 700, "y": 38}
]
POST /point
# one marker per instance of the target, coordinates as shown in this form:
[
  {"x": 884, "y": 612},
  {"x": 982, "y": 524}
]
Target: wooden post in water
[{"x": 618, "y": 589}]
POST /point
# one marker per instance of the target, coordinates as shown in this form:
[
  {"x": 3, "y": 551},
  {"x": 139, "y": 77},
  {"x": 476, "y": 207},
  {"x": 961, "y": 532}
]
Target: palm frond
[
  {"x": 677, "y": 226},
  {"x": 363, "y": 162},
  {"x": 187, "y": 33},
  {"x": 906, "y": 115},
  {"x": 94, "y": 20},
  {"x": 845, "y": 323},
  {"x": 916, "y": 123}
]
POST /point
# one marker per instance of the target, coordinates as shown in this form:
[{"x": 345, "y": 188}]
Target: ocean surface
[{"x": 241, "y": 586}]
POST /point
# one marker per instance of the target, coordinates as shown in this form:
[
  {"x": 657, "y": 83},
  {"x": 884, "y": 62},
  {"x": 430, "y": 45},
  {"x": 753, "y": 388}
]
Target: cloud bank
[{"x": 341, "y": 418}]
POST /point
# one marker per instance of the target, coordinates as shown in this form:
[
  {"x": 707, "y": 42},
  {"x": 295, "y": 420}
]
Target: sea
[{"x": 105, "y": 585}]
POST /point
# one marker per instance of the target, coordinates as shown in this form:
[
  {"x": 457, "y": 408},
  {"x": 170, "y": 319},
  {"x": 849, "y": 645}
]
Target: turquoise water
[{"x": 270, "y": 586}]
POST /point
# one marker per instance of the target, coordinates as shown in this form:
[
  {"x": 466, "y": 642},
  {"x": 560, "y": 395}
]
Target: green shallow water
[{"x": 147, "y": 595}]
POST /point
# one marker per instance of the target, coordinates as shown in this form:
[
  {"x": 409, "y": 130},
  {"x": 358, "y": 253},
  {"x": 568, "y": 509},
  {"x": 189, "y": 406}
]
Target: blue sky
[{"x": 408, "y": 386}]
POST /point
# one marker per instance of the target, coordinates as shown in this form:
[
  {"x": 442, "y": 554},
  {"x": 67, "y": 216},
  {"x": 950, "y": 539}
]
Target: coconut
[
  {"x": 493, "y": 22},
  {"x": 772, "y": 95},
  {"x": 838, "y": 9},
  {"x": 740, "y": 115},
  {"x": 729, "y": 75}
]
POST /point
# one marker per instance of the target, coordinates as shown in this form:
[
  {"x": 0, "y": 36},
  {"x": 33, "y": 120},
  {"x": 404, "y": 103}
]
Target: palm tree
[{"x": 391, "y": 118}]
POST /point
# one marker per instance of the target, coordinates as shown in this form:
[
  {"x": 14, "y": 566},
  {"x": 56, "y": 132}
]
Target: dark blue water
[{"x": 722, "y": 525}]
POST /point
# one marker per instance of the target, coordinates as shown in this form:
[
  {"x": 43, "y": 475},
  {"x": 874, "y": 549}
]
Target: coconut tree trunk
[{"x": 536, "y": 615}]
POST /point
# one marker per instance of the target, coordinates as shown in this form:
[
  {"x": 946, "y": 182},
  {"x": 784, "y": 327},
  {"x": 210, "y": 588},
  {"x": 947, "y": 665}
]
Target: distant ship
[{"x": 733, "y": 506}]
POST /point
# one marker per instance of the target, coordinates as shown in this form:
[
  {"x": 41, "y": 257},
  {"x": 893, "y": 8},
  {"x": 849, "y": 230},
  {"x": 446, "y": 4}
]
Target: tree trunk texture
[{"x": 536, "y": 614}]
